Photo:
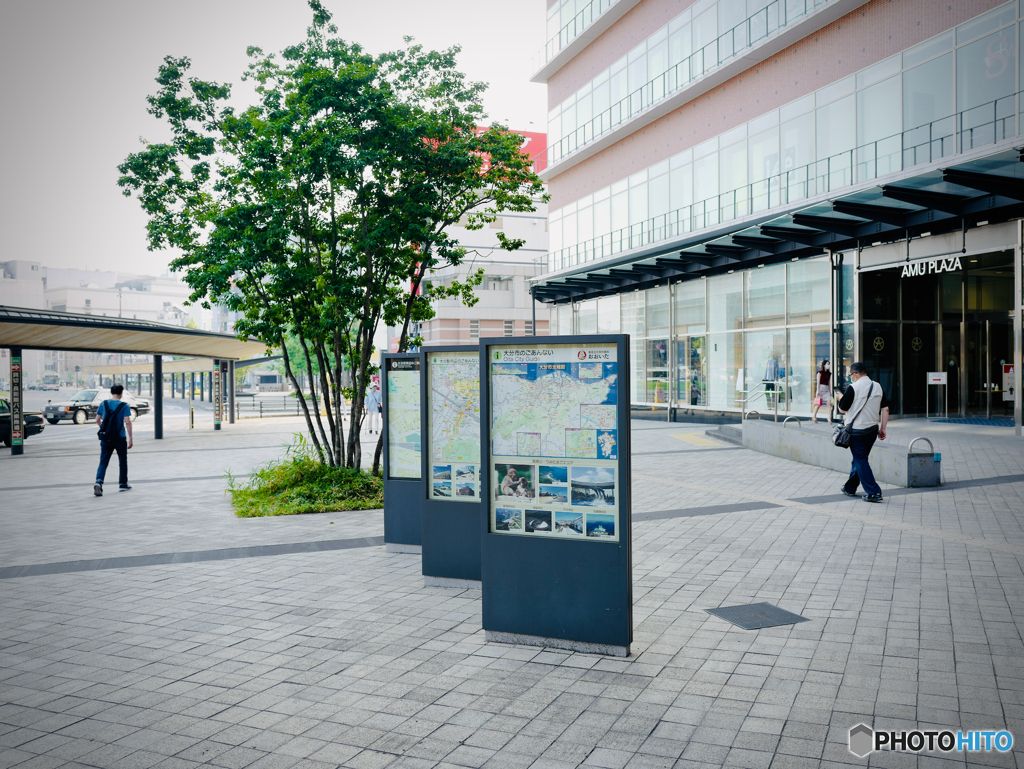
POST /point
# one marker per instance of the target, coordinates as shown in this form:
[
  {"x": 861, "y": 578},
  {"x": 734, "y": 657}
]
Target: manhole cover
[{"x": 756, "y": 616}]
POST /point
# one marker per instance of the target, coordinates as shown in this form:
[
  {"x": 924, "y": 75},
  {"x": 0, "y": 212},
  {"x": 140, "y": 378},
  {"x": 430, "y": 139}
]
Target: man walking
[
  {"x": 114, "y": 420},
  {"x": 866, "y": 404}
]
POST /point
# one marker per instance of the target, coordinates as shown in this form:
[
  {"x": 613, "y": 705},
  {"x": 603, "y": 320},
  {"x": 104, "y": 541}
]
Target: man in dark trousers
[
  {"x": 865, "y": 403},
  {"x": 120, "y": 439}
]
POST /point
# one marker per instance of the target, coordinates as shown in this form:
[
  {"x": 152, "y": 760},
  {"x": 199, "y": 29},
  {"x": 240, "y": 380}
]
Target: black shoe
[
  {"x": 847, "y": 493},
  {"x": 872, "y": 497},
  {"x": 124, "y": 488},
  {"x": 98, "y": 490}
]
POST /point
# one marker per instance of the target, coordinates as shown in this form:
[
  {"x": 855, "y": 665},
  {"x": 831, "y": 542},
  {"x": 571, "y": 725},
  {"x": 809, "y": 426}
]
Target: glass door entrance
[{"x": 989, "y": 348}]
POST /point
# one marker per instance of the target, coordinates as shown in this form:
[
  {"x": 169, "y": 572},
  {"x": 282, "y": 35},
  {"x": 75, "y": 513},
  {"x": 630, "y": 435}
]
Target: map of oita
[
  {"x": 552, "y": 404},
  {"x": 455, "y": 409}
]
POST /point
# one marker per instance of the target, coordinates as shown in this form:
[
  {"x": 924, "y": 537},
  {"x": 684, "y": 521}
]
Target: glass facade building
[{"x": 871, "y": 212}]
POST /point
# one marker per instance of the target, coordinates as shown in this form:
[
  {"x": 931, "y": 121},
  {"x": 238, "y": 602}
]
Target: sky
[{"x": 76, "y": 74}]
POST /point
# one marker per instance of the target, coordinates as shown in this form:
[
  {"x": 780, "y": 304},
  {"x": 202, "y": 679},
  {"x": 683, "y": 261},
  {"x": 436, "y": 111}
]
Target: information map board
[
  {"x": 453, "y": 509},
  {"x": 402, "y": 414},
  {"x": 557, "y": 549},
  {"x": 454, "y": 416},
  {"x": 403, "y": 500}
]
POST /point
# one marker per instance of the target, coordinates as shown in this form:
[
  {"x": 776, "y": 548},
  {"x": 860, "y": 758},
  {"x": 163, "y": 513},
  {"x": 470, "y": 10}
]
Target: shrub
[{"x": 300, "y": 483}]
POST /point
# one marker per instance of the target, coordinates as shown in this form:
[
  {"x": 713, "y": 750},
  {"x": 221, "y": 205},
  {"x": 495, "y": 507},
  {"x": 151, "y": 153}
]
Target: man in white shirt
[
  {"x": 865, "y": 403},
  {"x": 373, "y": 408}
]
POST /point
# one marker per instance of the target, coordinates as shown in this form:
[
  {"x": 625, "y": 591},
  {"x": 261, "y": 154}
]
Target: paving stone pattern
[{"x": 344, "y": 658}]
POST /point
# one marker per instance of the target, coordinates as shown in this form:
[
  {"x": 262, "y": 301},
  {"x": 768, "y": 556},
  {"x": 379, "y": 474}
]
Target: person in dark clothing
[
  {"x": 122, "y": 413},
  {"x": 865, "y": 403}
]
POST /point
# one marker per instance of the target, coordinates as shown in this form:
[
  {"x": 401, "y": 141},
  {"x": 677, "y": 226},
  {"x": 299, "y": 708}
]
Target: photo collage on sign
[
  {"x": 554, "y": 441},
  {"x": 454, "y": 409}
]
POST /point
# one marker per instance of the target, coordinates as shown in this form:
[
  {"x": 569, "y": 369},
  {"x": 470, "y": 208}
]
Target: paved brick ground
[{"x": 344, "y": 658}]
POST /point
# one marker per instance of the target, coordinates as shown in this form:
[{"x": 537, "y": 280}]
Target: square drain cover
[{"x": 756, "y": 616}]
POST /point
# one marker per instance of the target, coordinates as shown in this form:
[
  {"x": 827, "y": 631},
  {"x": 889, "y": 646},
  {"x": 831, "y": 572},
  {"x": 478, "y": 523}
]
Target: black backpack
[{"x": 110, "y": 429}]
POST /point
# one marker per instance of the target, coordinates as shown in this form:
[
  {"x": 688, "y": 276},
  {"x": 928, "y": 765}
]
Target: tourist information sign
[
  {"x": 403, "y": 500},
  {"x": 556, "y": 550},
  {"x": 453, "y": 510}
]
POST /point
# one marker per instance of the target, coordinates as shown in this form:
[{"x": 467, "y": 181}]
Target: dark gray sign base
[
  {"x": 403, "y": 513},
  {"x": 494, "y": 636},
  {"x": 567, "y": 594},
  {"x": 451, "y": 540}
]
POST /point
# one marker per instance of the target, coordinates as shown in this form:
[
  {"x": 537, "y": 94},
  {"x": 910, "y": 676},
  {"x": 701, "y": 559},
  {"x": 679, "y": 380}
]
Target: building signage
[
  {"x": 454, "y": 413},
  {"x": 554, "y": 442},
  {"x": 936, "y": 377},
  {"x": 402, "y": 380},
  {"x": 17, "y": 415},
  {"x": 932, "y": 266},
  {"x": 1007, "y": 381}
]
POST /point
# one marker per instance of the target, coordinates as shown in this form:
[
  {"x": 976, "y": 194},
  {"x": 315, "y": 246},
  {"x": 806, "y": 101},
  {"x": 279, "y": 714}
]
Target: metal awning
[
  {"x": 50, "y": 330},
  {"x": 989, "y": 190}
]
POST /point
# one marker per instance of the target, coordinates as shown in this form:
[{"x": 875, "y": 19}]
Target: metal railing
[
  {"x": 979, "y": 126},
  {"x": 752, "y": 30},
  {"x": 570, "y": 31},
  {"x": 762, "y": 391}
]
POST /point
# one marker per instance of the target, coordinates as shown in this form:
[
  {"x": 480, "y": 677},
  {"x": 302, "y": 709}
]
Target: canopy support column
[
  {"x": 231, "y": 392},
  {"x": 158, "y": 396}
]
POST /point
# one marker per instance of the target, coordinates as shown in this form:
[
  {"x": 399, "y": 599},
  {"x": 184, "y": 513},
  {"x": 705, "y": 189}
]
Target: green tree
[{"x": 317, "y": 211}]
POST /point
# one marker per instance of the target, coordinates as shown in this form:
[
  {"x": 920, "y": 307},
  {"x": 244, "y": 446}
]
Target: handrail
[
  {"x": 578, "y": 23},
  {"x": 931, "y": 445},
  {"x": 752, "y": 411},
  {"x": 798, "y": 422},
  {"x": 940, "y": 138}
]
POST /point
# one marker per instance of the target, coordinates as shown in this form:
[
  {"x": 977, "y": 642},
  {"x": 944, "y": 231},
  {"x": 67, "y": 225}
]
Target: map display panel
[
  {"x": 454, "y": 412},
  {"x": 403, "y": 417},
  {"x": 554, "y": 441}
]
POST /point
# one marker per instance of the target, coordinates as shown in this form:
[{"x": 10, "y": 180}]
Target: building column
[
  {"x": 17, "y": 407},
  {"x": 1018, "y": 328},
  {"x": 231, "y": 392},
  {"x": 202, "y": 386},
  {"x": 158, "y": 396}
]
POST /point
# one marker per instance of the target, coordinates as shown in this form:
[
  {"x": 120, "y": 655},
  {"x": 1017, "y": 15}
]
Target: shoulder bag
[{"x": 842, "y": 435}]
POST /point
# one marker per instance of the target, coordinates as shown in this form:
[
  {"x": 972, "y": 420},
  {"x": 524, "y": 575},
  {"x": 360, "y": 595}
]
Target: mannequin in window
[{"x": 771, "y": 376}]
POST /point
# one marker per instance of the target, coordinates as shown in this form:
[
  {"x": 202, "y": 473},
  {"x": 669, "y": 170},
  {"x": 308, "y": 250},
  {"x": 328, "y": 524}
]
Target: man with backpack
[
  {"x": 114, "y": 420},
  {"x": 867, "y": 412}
]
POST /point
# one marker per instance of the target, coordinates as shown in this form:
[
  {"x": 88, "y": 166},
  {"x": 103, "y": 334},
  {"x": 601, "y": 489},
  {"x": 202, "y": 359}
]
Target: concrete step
[{"x": 728, "y": 433}]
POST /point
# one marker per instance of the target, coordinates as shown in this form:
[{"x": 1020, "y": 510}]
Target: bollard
[
  {"x": 261, "y": 409},
  {"x": 191, "y": 419}
]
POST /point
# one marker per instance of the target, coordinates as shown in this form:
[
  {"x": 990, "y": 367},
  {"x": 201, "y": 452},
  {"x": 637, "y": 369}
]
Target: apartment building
[{"x": 748, "y": 188}]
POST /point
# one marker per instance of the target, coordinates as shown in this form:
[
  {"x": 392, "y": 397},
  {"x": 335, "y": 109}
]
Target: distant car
[
  {"x": 83, "y": 405},
  {"x": 33, "y": 422}
]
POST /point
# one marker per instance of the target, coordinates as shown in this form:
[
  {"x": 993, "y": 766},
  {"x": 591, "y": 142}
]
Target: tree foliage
[{"x": 317, "y": 211}]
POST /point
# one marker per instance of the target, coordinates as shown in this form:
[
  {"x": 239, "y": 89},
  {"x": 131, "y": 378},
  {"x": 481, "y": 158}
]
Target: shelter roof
[{"x": 51, "y": 330}]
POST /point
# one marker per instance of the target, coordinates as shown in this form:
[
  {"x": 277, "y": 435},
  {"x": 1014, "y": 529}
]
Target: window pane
[
  {"x": 563, "y": 319},
  {"x": 608, "y": 315},
  {"x": 725, "y": 302},
  {"x": 808, "y": 347},
  {"x": 657, "y": 311},
  {"x": 766, "y": 297},
  {"x": 657, "y": 371},
  {"x": 986, "y": 80},
  {"x": 638, "y": 204},
  {"x": 810, "y": 291},
  {"x": 586, "y": 316},
  {"x": 725, "y": 377},
  {"x": 836, "y": 127},
  {"x": 632, "y": 306},
  {"x": 690, "y": 307},
  {"x": 876, "y": 118},
  {"x": 692, "y": 371},
  {"x": 765, "y": 364}
]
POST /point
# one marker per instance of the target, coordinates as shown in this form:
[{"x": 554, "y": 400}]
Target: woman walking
[{"x": 823, "y": 391}]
